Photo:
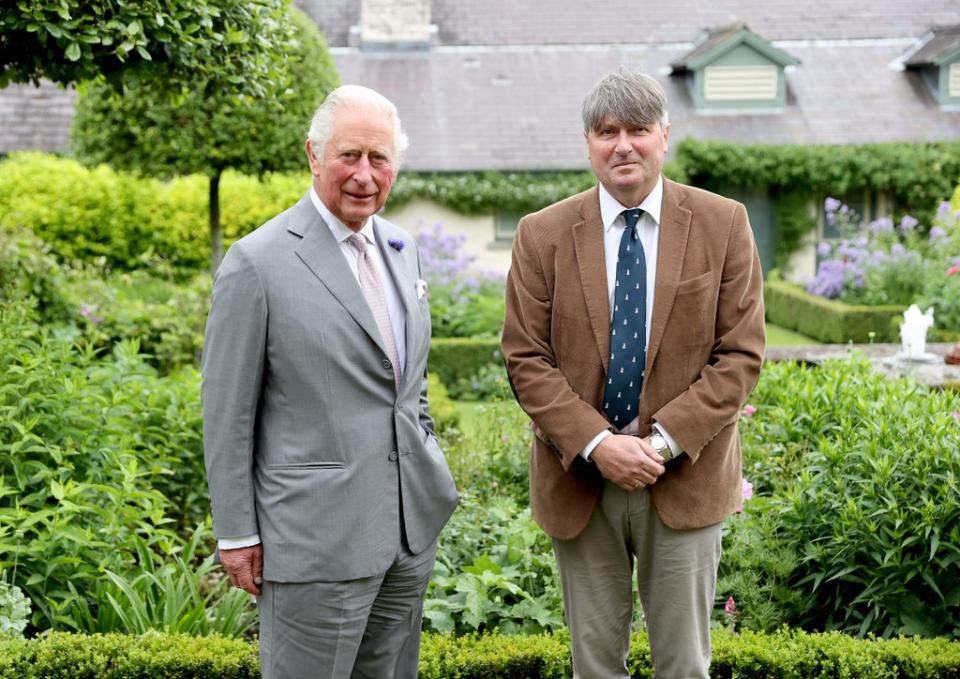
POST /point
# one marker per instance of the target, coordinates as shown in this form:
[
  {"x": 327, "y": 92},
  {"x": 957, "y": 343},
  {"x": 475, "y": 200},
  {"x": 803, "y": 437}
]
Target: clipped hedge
[
  {"x": 828, "y": 320},
  {"x": 786, "y": 655},
  {"x": 456, "y": 358}
]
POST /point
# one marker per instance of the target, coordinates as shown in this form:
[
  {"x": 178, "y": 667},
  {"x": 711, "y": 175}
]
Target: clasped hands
[{"x": 628, "y": 461}]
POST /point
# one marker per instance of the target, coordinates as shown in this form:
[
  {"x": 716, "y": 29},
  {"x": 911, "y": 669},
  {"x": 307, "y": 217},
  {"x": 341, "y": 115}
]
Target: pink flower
[
  {"x": 88, "y": 311},
  {"x": 749, "y": 410},
  {"x": 746, "y": 489},
  {"x": 955, "y": 415},
  {"x": 730, "y": 608},
  {"x": 953, "y": 270}
]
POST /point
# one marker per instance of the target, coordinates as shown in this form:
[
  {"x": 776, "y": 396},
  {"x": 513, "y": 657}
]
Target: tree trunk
[{"x": 216, "y": 231}]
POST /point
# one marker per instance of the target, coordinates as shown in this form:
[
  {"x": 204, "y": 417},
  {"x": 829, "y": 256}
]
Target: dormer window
[
  {"x": 734, "y": 68},
  {"x": 936, "y": 56}
]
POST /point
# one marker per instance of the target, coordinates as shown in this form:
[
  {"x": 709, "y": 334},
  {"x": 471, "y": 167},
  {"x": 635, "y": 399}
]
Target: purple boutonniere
[{"x": 396, "y": 244}]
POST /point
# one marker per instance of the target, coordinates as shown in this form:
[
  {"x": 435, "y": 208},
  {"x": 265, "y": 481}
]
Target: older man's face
[
  {"x": 626, "y": 159},
  {"x": 358, "y": 167}
]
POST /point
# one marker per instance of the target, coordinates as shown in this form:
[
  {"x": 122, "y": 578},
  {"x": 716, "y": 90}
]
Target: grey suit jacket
[{"x": 307, "y": 439}]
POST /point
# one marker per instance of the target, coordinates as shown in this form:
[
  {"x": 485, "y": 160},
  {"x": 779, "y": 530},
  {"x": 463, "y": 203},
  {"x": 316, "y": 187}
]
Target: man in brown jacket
[{"x": 635, "y": 401}]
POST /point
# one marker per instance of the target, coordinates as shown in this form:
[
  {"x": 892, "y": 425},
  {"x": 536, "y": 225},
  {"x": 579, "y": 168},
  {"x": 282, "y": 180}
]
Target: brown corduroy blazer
[{"x": 703, "y": 357}]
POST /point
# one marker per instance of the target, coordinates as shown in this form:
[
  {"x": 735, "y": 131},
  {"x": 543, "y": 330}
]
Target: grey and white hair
[
  {"x": 627, "y": 96},
  {"x": 354, "y": 97}
]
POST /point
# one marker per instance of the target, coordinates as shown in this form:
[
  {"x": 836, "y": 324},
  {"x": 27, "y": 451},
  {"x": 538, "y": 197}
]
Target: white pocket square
[{"x": 421, "y": 288}]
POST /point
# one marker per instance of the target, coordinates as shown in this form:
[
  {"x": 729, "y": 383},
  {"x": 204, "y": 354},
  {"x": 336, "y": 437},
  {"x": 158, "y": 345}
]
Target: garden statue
[{"x": 913, "y": 333}]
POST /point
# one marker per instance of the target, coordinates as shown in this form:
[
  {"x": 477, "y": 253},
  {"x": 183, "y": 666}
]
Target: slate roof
[
  {"x": 940, "y": 43},
  {"x": 717, "y": 39},
  {"x": 502, "y": 85}
]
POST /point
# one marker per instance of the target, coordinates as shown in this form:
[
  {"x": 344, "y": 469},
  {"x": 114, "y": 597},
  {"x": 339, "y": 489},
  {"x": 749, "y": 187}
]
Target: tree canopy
[
  {"x": 129, "y": 41},
  {"x": 204, "y": 131}
]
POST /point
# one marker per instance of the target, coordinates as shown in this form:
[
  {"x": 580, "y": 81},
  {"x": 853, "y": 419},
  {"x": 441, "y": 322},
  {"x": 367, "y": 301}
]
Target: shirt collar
[
  {"x": 610, "y": 207},
  {"x": 340, "y": 230}
]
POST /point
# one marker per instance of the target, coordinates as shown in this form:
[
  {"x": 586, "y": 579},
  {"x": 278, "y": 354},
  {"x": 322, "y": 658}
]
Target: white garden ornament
[{"x": 913, "y": 333}]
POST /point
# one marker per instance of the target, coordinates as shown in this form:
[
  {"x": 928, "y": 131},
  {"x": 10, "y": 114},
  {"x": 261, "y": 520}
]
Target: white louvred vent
[
  {"x": 740, "y": 83},
  {"x": 953, "y": 86}
]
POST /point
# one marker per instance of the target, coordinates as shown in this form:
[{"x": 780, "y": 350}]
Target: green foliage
[
  {"x": 828, "y": 320},
  {"x": 793, "y": 221},
  {"x": 14, "y": 610},
  {"x": 30, "y": 272},
  {"x": 459, "y": 312},
  {"x": 455, "y": 358},
  {"x": 918, "y": 175},
  {"x": 875, "y": 526},
  {"x": 942, "y": 292},
  {"x": 489, "y": 383},
  {"x": 88, "y": 447},
  {"x": 202, "y": 132},
  {"x": 494, "y": 571},
  {"x": 229, "y": 42},
  {"x": 207, "y": 132},
  {"x": 93, "y": 213},
  {"x": 176, "y": 593},
  {"x": 785, "y": 655},
  {"x": 443, "y": 410}
]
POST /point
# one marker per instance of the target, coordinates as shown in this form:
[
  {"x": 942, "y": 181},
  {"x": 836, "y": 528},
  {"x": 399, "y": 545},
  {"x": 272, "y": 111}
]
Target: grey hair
[
  {"x": 629, "y": 97},
  {"x": 359, "y": 97}
]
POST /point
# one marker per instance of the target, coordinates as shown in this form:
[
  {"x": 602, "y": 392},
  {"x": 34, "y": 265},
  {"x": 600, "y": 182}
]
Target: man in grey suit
[{"x": 327, "y": 483}]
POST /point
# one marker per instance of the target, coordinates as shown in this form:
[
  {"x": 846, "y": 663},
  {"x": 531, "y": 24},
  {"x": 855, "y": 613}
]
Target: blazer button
[
  {"x": 386, "y": 364},
  {"x": 393, "y": 456}
]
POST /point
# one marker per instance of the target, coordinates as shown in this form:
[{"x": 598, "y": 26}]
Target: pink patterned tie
[{"x": 373, "y": 292}]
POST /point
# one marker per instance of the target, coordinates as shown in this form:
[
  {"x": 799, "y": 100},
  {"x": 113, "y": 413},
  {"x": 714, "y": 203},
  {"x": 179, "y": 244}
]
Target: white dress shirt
[
  {"x": 398, "y": 318},
  {"x": 648, "y": 228}
]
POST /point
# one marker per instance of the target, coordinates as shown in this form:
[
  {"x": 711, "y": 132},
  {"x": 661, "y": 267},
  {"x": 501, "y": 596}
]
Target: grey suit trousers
[
  {"x": 365, "y": 628},
  {"x": 676, "y": 578}
]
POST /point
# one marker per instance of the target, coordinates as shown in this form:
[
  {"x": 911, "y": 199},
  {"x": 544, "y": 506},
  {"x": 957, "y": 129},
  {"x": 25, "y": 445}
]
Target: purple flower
[
  {"x": 908, "y": 223},
  {"x": 88, "y": 312},
  {"x": 881, "y": 225},
  {"x": 831, "y": 204},
  {"x": 944, "y": 209},
  {"x": 396, "y": 244},
  {"x": 824, "y": 249},
  {"x": 938, "y": 234}
]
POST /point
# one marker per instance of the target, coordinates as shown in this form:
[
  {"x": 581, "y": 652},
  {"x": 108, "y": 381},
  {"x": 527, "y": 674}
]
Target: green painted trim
[
  {"x": 742, "y": 37},
  {"x": 741, "y": 54},
  {"x": 943, "y": 91}
]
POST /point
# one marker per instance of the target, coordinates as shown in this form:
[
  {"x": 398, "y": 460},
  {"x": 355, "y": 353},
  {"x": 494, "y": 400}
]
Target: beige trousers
[{"x": 676, "y": 575}]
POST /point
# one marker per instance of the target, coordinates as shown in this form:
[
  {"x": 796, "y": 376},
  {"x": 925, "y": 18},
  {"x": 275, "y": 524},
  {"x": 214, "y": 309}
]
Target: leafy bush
[
  {"x": 489, "y": 383},
  {"x": 14, "y": 610},
  {"x": 29, "y": 271},
  {"x": 456, "y": 358},
  {"x": 87, "y": 449},
  {"x": 786, "y": 655},
  {"x": 494, "y": 571},
  {"x": 130, "y": 222},
  {"x": 860, "y": 471}
]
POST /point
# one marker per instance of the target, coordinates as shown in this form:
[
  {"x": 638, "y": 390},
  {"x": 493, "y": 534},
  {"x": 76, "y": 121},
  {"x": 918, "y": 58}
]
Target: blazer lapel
[
  {"x": 591, "y": 263},
  {"x": 405, "y": 286},
  {"x": 674, "y": 231},
  {"x": 321, "y": 253}
]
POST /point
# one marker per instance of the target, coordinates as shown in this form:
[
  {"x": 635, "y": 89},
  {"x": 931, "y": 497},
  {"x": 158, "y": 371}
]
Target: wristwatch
[{"x": 659, "y": 444}]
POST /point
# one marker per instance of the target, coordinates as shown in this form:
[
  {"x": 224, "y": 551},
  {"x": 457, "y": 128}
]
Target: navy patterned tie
[{"x": 628, "y": 330}]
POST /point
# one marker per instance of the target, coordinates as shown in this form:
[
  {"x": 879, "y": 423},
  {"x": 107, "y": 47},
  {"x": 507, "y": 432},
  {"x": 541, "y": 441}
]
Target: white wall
[{"x": 420, "y": 214}]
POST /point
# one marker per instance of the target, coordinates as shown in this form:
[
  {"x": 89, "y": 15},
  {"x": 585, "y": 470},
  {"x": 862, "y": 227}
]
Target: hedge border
[
  {"x": 828, "y": 320},
  {"x": 788, "y": 654},
  {"x": 455, "y": 358}
]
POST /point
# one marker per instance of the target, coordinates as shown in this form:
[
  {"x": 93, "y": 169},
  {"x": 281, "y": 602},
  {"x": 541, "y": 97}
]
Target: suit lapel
[
  {"x": 321, "y": 253},
  {"x": 674, "y": 231},
  {"x": 405, "y": 286},
  {"x": 591, "y": 263}
]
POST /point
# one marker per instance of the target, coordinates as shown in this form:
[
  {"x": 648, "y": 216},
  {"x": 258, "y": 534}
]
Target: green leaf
[{"x": 73, "y": 52}]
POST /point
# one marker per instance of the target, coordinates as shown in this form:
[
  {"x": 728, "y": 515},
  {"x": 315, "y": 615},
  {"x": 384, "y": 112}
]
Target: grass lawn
[{"x": 781, "y": 337}]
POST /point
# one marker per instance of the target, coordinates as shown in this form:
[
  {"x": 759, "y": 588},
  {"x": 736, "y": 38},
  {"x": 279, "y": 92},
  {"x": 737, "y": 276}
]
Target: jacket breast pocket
[{"x": 693, "y": 319}]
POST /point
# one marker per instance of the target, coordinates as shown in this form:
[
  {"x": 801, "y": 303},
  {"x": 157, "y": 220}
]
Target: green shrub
[
  {"x": 828, "y": 320},
  {"x": 455, "y": 358},
  {"x": 88, "y": 447},
  {"x": 489, "y": 383},
  {"x": 14, "y": 609},
  {"x": 784, "y": 655},
  {"x": 29, "y": 271},
  {"x": 443, "y": 410},
  {"x": 88, "y": 214},
  {"x": 861, "y": 472}
]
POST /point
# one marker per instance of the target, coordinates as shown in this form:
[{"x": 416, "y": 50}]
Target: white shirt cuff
[
  {"x": 671, "y": 443},
  {"x": 237, "y": 543},
  {"x": 593, "y": 443}
]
